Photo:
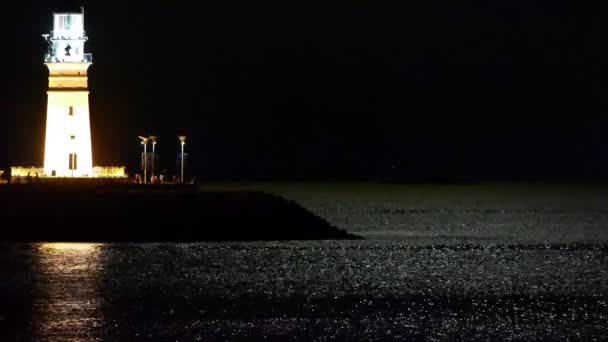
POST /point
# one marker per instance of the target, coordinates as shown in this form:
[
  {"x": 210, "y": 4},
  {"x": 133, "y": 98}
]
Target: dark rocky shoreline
[{"x": 105, "y": 212}]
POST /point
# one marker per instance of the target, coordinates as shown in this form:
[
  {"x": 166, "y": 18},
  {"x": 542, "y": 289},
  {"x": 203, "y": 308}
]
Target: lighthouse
[
  {"x": 67, "y": 149},
  {"x": 67, "y": 143}
]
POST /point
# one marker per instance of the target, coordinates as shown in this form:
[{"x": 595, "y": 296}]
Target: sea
[{"x": 437, "y": 263}]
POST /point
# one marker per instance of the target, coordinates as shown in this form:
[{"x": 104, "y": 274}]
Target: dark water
[
  {"x": 440, "y": 263},
  {"x": 350, "y": 290}
]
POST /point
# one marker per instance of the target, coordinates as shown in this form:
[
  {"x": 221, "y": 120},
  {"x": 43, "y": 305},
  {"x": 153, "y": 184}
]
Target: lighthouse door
[{"x": 73, "y": 161}]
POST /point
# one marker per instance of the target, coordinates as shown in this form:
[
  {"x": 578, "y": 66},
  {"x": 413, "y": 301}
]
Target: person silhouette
[{"x": 67, "y": 50}]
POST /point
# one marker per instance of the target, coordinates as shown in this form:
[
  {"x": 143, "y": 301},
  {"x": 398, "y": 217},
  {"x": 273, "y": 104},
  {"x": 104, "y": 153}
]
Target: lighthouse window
[
  {"x": 65, "y": 22},
  {"x": 71, "y": 111}
]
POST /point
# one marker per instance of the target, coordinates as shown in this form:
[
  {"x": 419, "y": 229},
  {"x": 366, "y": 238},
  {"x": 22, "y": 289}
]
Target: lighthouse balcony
[
  {"x": 75, "y": 34},
  {"x": 84, "y": 58}
]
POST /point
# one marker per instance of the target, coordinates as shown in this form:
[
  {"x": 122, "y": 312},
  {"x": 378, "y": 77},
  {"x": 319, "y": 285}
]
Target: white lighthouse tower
[{"x": 67, "y": 150}]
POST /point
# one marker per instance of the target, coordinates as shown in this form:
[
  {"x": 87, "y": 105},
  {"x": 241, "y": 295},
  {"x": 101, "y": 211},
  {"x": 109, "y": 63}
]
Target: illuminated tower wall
[{"x": 67, "y": 149}]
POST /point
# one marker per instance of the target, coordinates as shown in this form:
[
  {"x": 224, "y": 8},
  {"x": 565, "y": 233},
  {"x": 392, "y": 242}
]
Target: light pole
[
  {"x": 153, "y": 138},
  {"x": 182, "y": 139},
  {"x": 72, "y": 156},
  {"x": 144, "y": 141}
]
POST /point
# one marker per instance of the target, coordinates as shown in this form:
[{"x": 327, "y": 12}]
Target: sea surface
[{"x": 466, "y": 262}]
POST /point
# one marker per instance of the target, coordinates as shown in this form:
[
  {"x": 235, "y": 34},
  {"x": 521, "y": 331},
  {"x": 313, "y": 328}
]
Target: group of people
[
  {"x": 156, "y": 179},
  {"x": 24, "y": 179},
  {"x": 160, "y": 179}
]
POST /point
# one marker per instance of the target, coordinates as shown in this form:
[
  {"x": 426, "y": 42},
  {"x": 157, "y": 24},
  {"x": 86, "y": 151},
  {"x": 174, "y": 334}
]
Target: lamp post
[
  {"x": 182, "y": 139},
  {"x": 153, "y": 139},
  {"x": 144, "y": 141}
]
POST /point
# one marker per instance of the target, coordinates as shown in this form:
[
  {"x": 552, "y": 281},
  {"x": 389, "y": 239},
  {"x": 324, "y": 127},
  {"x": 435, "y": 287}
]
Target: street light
[
  {"x": 182, "y": 139},
  {"x": 144, "y": 141},
  {"x": 153, "y": 139}
]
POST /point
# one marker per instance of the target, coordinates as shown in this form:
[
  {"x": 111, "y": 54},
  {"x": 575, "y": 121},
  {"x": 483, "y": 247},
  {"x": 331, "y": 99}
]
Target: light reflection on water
[
  {"x": 67, "y": 300},
  {"x": 69, "y": 246},
  {"x": 310, "y": 290}
]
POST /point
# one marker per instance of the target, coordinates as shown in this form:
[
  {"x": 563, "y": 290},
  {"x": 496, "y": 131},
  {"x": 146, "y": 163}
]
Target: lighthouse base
[{"x": 98, "y": 172}]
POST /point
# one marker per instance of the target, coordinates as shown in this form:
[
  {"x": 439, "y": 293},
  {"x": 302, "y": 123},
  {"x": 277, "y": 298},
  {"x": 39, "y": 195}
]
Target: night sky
[{"x": 327, "y": 90}]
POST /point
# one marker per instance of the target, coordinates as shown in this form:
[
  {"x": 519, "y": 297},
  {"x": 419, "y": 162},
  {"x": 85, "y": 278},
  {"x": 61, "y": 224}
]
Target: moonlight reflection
[{"x": 67, "y": 291}]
